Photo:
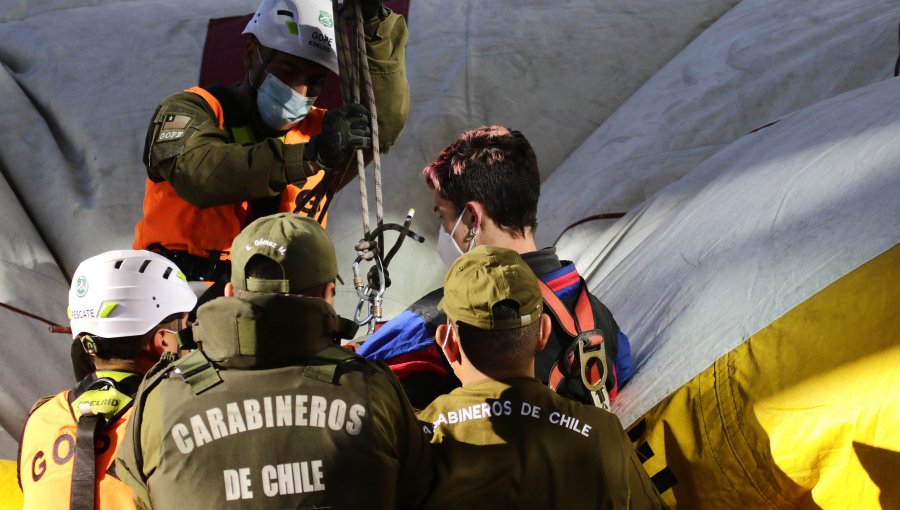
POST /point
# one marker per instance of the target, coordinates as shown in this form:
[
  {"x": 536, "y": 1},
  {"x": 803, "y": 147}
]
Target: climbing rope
[
  {"x": 354, "y": 69},
  {"x": 53, "y": 327},
  {"x": 362, "y": 58}
]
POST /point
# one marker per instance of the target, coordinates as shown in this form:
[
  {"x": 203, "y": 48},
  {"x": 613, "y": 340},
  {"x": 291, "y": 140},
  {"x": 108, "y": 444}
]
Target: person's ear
[
  {"x": 448, "y": 341},
  {"x": 249, "y": 55},
  {"x": 475, "y": 216},
  {"x": 229, "y": 290},
  {"x": 546, "y": 327},
  {"x": 163, "y": 342},
  {"x": 328, "y": 293}
]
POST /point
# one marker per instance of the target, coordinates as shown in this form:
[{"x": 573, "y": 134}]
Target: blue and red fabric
[
  {"x": 564, "y": 282},
  {"x": 406, "y": 343}
]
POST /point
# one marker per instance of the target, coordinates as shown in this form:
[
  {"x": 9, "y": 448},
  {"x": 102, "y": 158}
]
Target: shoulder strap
[
  {"x": 156, "y": 375},
  {"x": 324, "y": 365},
  {"x": 96, "y": 401},
  {"x": 84, "y": 469},
  {"x": 585, "y": 355},
  {"x": 108, "y": 394},
  {"x": 583, "y": 319},
  {"x": 198, "y": 372}
]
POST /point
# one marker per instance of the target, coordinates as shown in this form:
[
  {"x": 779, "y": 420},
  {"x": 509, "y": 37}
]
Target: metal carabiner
[
  {"x": 356, "y": 315},
  {"x": 366, "y": 294},
  {"x": 598, "y": 390}
]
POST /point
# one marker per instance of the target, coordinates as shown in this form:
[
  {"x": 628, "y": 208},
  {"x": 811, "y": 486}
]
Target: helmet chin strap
[{"x": 88, "y": 344}]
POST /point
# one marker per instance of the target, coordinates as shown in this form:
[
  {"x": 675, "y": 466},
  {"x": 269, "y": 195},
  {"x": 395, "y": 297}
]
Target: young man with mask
[
  {"x": 270, "y": 412},
  {"x": 220, "y": 157},
  {"x": 124, "y": 308},
  {"x": 486, "y": 187},
  {"x": 504, "y": 439}
]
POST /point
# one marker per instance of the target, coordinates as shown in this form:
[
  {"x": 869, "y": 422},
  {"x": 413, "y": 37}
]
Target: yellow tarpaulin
[
  {"x": 10, "y": 495},
  {"x": 804, "y": 414}
]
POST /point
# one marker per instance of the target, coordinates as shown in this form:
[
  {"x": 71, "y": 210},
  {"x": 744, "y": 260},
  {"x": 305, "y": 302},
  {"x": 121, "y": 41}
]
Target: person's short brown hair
[
  {"x": 496, "y": 167},
  {"x": 490, "y": 350},
  {"x": 130, "y": 347}
]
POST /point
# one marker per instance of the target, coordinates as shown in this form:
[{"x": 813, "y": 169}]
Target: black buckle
[{"x": 196, "y": 268}]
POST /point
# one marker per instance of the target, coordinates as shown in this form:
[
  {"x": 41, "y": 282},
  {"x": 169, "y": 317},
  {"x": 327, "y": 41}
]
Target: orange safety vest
[
  {"x": 48, "y": 451},
  {"x": 172, "y": 222}
]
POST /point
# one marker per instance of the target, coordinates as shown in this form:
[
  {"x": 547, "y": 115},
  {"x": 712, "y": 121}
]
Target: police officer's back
[
  {"x": 504, "y": 440},
  {"x": 269, "y": 413}
]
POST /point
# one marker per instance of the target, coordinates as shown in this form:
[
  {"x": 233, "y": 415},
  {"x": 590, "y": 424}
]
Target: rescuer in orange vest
[
  {"x": 220, "y": 157},
  {"x": 124, "y": 308}
]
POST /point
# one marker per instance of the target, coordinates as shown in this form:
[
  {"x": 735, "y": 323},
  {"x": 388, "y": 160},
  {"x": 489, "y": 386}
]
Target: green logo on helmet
[
  {"x": 81, "y": 286},
  {"x": 325, "y": 19}
]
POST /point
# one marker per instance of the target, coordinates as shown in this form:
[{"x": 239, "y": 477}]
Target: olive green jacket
[
  {"x": 208, "y": 167},
  {"x": 518, "y": 444},
  {"x": 264, "y": 417}
]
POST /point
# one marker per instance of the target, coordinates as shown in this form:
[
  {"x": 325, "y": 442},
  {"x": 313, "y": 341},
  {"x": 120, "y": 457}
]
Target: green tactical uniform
[
  {"x": 255, "y": 420},
  {"x": 518, "y": 444},
  {"x": 208, "y": 166}
]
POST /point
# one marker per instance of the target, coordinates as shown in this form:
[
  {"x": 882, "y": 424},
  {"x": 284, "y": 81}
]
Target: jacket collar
[{"x": 264, "y": 330}]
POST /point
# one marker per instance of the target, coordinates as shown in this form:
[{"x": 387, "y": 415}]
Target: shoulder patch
[{"x": 173, "y": 127}]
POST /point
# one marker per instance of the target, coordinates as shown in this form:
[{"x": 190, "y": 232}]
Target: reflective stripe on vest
[{"x": 177, "y": 225}]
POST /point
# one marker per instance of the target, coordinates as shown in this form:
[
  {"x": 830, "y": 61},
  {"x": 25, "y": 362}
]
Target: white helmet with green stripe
[
  {"x": 126, "y": 293},
  {"x": 303, "y": 28}
]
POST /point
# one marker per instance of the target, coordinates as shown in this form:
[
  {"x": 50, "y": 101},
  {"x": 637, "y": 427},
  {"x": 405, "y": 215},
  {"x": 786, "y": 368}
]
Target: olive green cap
[
  {"x": 482, "y": 278},
  {"x": 297, "y": 243}
]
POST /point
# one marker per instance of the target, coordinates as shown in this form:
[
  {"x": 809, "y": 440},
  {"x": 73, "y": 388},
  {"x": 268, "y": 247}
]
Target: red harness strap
[{"x": 585, "y": 356}]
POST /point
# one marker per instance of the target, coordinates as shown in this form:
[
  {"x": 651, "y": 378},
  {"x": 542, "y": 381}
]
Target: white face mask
[{"x": 446, "y": 245}]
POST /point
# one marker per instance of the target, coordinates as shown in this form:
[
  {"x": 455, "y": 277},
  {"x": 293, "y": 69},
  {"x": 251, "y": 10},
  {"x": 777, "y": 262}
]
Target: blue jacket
[{"x": 406, "y": 342}]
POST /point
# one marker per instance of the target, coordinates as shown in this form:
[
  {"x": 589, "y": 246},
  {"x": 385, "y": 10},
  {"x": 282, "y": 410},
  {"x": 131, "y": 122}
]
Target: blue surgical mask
[{"x": 280, "y": 106}]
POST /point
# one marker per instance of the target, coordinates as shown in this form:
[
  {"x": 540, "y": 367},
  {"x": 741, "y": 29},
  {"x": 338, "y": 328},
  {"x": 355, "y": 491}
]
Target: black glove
[{"x": 344, "y": 130}]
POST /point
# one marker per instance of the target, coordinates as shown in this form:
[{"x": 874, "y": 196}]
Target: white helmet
[
  {"x": 126, "y": 293},
  {"x": 303, "y": 28}
]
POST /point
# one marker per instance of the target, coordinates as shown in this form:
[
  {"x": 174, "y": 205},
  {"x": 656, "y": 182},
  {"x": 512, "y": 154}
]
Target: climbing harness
[
  {"x": 96, "y": 402},
  {"x": 585, "y": 356}
]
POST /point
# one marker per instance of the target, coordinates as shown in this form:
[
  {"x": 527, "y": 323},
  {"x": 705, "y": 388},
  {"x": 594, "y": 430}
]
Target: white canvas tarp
[
  {"x": 753, "y": 231},
  {"x": 633, "y": 106},
  {"x": 80, "y": 80}
]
